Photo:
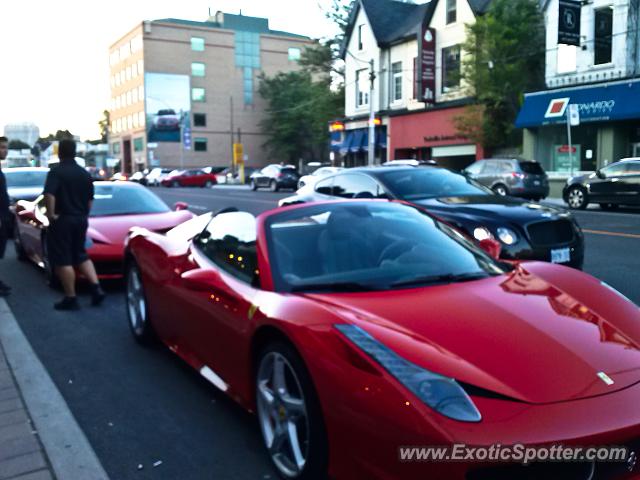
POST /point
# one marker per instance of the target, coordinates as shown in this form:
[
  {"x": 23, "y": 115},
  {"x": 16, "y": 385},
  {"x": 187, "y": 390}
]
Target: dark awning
[
  {"x": 358, "y": 136},
  {"x": 346, "y": 145},
  {"x": 611, "y": 101}
]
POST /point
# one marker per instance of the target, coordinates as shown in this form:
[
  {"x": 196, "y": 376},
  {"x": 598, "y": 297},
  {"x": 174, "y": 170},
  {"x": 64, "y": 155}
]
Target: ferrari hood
[
  {"x": 517, "y": 335},
  {"x": 114, "y": 229}
]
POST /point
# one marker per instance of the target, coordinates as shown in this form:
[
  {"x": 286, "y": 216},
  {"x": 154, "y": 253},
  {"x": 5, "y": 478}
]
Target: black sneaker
[
  {"x": 67, "y": 303},
  {"x": 4, "y": 289},
  {"x": 97, "y": 296}
]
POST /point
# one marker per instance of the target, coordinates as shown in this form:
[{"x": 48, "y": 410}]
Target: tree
[
  {"x": 18, "y": 145},
  {"x": 505, "y": 58},
  {"x": 105, "y": 125},
  {"x": 59, "y": 135},
  {"x": 298, "y": 111}
]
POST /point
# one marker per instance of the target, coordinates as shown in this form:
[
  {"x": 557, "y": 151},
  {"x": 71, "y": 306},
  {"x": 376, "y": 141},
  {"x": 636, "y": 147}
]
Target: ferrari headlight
[
  {"x": 507, "y": 236},
  {"x": 441, "y": 393},
  {"x": 481, "y": 233}
]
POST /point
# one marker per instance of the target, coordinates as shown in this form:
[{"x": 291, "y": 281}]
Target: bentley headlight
[
  {"x": 507, "y": 236},
  {"x": 443, "y": 394},
  {"x": 481, "y": 233}
]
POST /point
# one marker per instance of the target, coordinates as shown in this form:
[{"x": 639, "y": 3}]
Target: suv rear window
[{"x": 534, "y": 168}]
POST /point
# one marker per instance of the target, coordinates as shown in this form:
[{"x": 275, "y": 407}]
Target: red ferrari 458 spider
[
  {"x": 117, "y": 207},
  {"x": 354, "y": 328}
]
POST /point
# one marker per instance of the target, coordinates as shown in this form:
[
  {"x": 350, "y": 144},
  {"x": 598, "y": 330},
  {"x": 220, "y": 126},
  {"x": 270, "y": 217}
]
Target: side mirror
[
  {"x": 178, "y": 206},
  {"x": 202, "y": 280},
  {"x": 25, "y": 214},
  {"x": 491, "y": 246},
  {"x": 600, "y": 174}
]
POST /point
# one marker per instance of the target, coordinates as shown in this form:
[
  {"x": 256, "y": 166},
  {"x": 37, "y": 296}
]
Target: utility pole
[
  {"x": 372, "y": 127},
  {"x": 182, "y": 117},
  {"x": 233, "y": 167}
]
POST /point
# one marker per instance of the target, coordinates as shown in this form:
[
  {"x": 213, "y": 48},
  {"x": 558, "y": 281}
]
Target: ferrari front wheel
[
  {"x": 289, "y": 414},
  {"x": 137, "y": 311}
]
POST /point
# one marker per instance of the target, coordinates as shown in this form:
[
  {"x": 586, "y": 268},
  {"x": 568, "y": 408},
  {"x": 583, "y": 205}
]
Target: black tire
[
  {"x": 273, "y": 186},
  {"x": 17, "y": 243},
  {"x": 577, "y": 198},
  {"x": 500, "y": 189},
  {"x": 140, "y": 326},
  {"x": 208, "y": 184},
  {"x": 316, "y": 462},
  {"x": 254, "y": 187},
  {"x": 609, "y": 206},
  {"x": 52, "y": 279},
  {"x": 175, "y": 184}
]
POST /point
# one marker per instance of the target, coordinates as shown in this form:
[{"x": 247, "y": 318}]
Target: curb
[{"x": 65, "y": 444}]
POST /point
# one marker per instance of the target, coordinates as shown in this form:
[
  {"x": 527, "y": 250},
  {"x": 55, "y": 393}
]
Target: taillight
[
  {"x": 280, "y": 175},
  {"x": 517, "y": 175}
]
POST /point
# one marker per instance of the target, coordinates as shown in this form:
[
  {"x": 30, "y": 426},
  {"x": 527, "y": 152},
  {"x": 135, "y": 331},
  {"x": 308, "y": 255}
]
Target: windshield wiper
[
  {"x": 445, "y": 278},
  {"x": 334, "y": 287}
]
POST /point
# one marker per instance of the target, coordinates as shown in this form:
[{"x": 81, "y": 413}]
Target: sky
[{"x": 55, "y": 65}]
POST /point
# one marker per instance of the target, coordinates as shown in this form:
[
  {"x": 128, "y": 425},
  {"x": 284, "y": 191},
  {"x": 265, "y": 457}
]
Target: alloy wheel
[
  {"x": 576, "y": 198},
  {"x": 282, "y": 413},
  {"x": 500, "y": 190},
  {"x": 136, "y": 302}
]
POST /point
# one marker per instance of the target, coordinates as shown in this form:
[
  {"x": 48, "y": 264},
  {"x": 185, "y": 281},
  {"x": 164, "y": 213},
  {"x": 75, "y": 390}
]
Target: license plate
[
  {"x": 536, "y": 182},
  {"x": 560, "y": 255}
]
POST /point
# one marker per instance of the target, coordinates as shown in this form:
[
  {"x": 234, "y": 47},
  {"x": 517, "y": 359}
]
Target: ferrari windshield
[
  {"x": 422, "y": 183},
  {"x": 364, "y": 246},
  {"x": 125, "y": 199},
  {"x": 25, "y": 178}
]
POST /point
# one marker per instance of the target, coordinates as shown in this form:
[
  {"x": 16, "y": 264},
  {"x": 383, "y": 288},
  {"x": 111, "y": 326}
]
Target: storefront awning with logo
[{"x": 601, "y": 103}]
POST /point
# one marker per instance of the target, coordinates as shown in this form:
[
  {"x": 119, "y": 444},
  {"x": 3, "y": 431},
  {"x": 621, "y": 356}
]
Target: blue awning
[
  {"x": 358, "y": 136},
  {"x": 346, "y": 145},
  {"x": 601, "y": 103}
]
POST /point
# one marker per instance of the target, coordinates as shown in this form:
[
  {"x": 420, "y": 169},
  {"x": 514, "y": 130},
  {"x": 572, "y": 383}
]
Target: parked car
[
  {"x": 117, "y": 207},
  {"x": 25, "y": 183},
  {"x": 139, "y": 177},
  {"x": 214, "y": 170},
  {"x": 614, "y": 185},
  {"x": 511, "y": 176},
  {"x": 166, "y": 119},
  {"x": 321, "y": 172},
  {"x": 156, "y": 176},
  {"x": 120, "y": 177},
  {"x": 527, "y": 231},
  {"x": 412, "y": 162},
  {"x": 352, "y": 328},
  {"x": 189, "y": 178},
  {"x": 275, "y": 177}
]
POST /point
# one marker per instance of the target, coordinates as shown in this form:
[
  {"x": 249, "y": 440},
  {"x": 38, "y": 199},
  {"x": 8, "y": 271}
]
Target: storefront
[
  {"x": 609, "y": 126},
  {"x": 351, "y": 146},
  {"x": 429, "y": 135}
]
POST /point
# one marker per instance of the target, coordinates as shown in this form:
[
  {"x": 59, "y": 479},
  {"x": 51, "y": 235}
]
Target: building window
[
  {"x": 451, "y": 11},
  {"x": 602, "y": 35},
  {"x": 197, "y": 44},
  {"x": 200, "y": 144},
  {"x": 197, "y": 94},
  {"x": 138, "y": 144},
  {"x": 198, "y": 69},
  {"x": 362, "y": 89},
  {"x": 360, "y": 44},
  {"x": 199, "y": 120},
  {"x": 247, "y": 49},
  {"x": 450, "y": 68},
  {"x": 141, "y": 119},
  {"x": 247, "y": 83},
  {"x": 294, "y": 54},
  {"x": 115, "y": 147},
  {"x": 567, "y": 58},
  {"x": 396, "y": 81}
]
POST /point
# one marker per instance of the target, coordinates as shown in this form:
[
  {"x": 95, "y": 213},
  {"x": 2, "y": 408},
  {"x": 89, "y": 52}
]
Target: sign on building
[
  {"x": 427, "y": 60},
  {"x": 569, "y": 22},
  {"x": 574, "y": 115}
]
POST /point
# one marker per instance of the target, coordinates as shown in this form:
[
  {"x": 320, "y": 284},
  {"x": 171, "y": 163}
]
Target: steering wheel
[{"x": 395, "y": 249}]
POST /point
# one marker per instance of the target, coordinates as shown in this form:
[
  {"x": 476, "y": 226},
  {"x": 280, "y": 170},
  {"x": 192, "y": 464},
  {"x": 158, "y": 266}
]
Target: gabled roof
[{"x": 390, "y": 20}]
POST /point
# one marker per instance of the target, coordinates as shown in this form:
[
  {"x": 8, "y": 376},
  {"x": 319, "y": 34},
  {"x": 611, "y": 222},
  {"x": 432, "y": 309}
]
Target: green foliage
[
  {"x": 105, "y": 125},
  {"x": 297, "y": 115},
  {"x": 18, "y": 145},
  {"x": 505, "y": 58},
  {"x": 59, "y": 135}
]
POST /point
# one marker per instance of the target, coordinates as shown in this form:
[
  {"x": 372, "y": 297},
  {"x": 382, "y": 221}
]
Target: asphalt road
[{"x": 142, "y": 405}]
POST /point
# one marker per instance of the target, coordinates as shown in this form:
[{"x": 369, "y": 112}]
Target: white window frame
[
  {"x": 362, "y": 95},
  {"x": 396, "y": 82}
]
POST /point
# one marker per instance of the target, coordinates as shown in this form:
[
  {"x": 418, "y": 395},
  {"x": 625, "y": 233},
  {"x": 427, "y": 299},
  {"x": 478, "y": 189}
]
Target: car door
[
  {"x": 264, "y": 176},
  {"x": 32, "y": 223},
  {"x": 488, "y": 175},
  {"x": 217, "y": 295},
  {"x": 475, "y": 169},
  {"x": 631, "y": 181},
  {"x": 607, "y": 185}
]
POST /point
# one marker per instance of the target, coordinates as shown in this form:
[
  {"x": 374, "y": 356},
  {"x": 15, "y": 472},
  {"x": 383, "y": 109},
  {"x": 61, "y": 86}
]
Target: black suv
[
  {"x": 611, "y": 186},
  {"x": 275, "y": 177}
]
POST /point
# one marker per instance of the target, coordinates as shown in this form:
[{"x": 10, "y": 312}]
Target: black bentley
[{"x": 526, "y": 230}]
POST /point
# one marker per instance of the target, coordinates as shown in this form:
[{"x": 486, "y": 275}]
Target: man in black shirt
[
  {"x": 68, "y": 198},
  {"x": 6, "y": 220}
]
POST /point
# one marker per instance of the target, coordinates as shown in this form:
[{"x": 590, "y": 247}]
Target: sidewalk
[
  {"x": 21, "y": 454},
  {"x": 39, "y": 436}
]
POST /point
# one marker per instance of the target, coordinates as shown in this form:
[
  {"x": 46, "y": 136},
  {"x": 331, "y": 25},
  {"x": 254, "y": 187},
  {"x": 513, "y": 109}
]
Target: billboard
[
  {"x": 427, "y": 64},
  {"x": 569, "y": 22},
  {"x": 168, "y": 106}
]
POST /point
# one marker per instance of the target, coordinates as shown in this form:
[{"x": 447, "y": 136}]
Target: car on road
[
  {"x": 611, "y": 186},
  {"x": 526, "y": 230},
  {"x": 156, "y": 176},
  {"x": 120, "y": 177},
  {"x": 275, "y": 177},
  {"x": 117, "y": 207},
  {"x": 166, "y": 119},
  {"x": 511, "y": 176},
  {"x": 139, "y": 177},
  {"x": 321, "y": 172},
  {"x": 353, "y": 328},
  {"x": 189, "y": 178},
  {"x": 25, "y": 183}
]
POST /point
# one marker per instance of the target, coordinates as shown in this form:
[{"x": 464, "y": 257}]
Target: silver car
[{"x": 511, "y": 176}]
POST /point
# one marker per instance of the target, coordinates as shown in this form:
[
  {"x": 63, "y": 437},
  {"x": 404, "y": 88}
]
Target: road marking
[
  {"x": 613, "y": 234},
  {"x": 66, "y": 445}
]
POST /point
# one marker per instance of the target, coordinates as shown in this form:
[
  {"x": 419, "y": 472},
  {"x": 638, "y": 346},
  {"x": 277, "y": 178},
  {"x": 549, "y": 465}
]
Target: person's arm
[
  {"x": 50, "y": 205},
  {"x": 50, "y": 189}
]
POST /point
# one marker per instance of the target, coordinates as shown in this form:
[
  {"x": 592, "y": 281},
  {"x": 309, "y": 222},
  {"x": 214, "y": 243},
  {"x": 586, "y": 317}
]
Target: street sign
[
  {"x": 186, "y": 138},
  {"x": 569, "y": 22},
  {"x": 574, "y": 115},
  {"x": 238, "y": 154},
  {"x": 152, "y": 145}
]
